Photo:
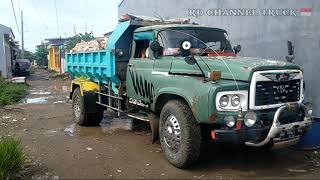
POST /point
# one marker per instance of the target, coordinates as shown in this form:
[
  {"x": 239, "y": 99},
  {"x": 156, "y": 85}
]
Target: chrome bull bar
[{"x": 276, "y": 127}]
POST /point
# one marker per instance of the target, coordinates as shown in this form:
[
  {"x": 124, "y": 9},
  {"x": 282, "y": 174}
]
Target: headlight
[
  {"x": 230, "y": 121},
  {"x": 224, "y": 101},
  {"x": 250, "y": 119},
  {"x": 235, "y": 100},
  {"x": 232, "y": 100}
]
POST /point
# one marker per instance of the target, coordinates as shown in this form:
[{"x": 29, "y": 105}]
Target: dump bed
[
  {"x": 99, "y": 66},
  {"x": 104, "y": 66}
]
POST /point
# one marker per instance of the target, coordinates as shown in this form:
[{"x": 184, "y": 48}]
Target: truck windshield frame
[{"x": 204, "y": 41}]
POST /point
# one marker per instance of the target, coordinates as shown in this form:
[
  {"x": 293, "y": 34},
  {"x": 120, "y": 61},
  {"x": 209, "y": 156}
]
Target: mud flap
[
  {"x": 154, "y": 124},
  {"x": 90, "y": 99}
]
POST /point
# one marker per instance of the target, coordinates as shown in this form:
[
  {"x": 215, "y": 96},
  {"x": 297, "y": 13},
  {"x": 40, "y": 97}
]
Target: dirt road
[{"x": 116, "y": 150}]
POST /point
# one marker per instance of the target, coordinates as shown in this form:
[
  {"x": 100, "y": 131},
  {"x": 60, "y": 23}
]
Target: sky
[{"x": 42, "y": 20}]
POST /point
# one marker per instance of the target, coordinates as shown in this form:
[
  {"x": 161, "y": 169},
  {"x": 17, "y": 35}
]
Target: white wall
[
  {"x": 263, "y": 36},
  {"x": 3, "y": 64}
]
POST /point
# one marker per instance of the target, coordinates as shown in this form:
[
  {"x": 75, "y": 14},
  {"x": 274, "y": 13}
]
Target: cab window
[
  {"x": 142, "y": 49},
  {"x": 204, "y": 41}
]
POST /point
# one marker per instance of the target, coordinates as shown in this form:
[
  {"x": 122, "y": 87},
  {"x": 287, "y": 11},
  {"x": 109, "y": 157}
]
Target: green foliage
[
  {"x": 42, "y": 56},
  {"x": 12, "y": 157},
  {"x": 71, "y": 43},
  {"x": 11, "y": 93},
  {"x": 27, "y": 55}
]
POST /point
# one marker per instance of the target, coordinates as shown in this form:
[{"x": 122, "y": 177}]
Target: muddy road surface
[{"x": 58, "y": 148}]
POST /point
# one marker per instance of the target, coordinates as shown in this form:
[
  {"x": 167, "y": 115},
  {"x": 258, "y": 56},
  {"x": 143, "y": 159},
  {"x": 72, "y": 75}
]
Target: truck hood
[{"x": 242, "y": 67}]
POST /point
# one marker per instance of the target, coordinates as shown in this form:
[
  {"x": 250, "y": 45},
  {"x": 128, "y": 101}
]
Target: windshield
[
  {"x": 23, "y": 65},
  {"x": 204, "y": 41}
]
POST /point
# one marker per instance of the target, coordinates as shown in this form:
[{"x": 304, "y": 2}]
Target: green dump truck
[{"x": 189, "y": 83}]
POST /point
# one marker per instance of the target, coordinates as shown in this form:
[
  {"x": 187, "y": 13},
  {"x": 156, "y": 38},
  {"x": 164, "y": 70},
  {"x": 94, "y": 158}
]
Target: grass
[
  {"x": 11, "y": 93},
  {"x": 12, "y": 157}
]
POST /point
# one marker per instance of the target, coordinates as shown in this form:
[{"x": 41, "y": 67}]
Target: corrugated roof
[{"x": 6, "y": 30}]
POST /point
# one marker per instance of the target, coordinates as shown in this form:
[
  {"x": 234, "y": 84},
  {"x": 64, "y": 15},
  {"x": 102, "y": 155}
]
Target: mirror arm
[{"x": 196, "y": 62}]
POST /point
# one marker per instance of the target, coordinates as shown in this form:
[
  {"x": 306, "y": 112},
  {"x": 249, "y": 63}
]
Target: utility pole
[
  {"x": 74, "y": 30},
  {"x": 22, "y": 38}
]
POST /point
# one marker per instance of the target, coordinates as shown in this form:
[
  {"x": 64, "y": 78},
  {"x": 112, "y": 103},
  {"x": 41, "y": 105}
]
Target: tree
[
  {"x": 41, "y": 56},
  {"x": 27, "y": 55},
  {"x": 71, "y": 43}
]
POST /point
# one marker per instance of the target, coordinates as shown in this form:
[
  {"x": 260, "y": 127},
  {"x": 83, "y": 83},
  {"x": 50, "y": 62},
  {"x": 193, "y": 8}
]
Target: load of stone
[{"x": 93, "y": 45}]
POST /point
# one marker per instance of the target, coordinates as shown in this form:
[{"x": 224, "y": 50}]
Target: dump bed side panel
[
  {"x": 99, "y": 66},
  {"x": 103, "y": 66}
]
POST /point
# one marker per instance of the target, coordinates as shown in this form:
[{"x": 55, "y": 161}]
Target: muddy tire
[
  {"x": 180, "y": 134},
  {"x": 80, "y": 111}
]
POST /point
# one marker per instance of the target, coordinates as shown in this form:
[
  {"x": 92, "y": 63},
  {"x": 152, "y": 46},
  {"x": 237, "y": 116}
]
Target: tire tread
[{"x": 192, "y": 131}]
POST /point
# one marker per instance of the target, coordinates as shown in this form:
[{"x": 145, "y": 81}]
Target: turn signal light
[{"x": 215, "y": 75}]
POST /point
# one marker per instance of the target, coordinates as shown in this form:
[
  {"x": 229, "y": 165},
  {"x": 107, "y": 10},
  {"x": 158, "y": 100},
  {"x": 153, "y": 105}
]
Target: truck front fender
[{"x": 196, "y": 102}]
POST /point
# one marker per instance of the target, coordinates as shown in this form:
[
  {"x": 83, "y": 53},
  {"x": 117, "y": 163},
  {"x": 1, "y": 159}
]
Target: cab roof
[{"x": 166, "y": 26}]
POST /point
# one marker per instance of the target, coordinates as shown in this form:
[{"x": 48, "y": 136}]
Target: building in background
[
  {"x": 7, "y": 51},
  {"x": 260, "y": 36},
  {"x": 55, "y": 48}
]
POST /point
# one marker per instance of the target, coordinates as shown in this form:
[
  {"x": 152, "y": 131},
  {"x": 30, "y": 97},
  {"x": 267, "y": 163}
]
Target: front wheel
[{"x": 180, "y": 134}]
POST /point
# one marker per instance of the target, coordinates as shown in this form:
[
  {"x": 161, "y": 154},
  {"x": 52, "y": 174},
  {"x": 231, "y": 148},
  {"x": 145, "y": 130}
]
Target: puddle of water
[
  {"x": 70, "y": 129},
  {"x": 50, "y": 133},
  {"x": 40, "y": 93},
  {"x": 111, "y": 123},
  {"x": 58, "y": 102},
  {"x": 39, "y": 100}
]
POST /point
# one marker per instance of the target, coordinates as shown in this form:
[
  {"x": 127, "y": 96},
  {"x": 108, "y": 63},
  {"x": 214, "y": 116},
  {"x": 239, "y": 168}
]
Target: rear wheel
[
  {"x": 80, "y": 111},
  {"x": 180, "y": 134}
]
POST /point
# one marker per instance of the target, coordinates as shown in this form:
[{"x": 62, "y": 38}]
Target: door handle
[{"x": 130, "y": 64}]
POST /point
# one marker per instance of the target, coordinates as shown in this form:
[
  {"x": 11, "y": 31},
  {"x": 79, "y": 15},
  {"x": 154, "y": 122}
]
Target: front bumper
[
  {"x": 239, "y": 136},
  {"x": 280, "y": 134}
]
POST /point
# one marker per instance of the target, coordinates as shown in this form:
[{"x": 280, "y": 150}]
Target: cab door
[
  {"x": 162, "y": 64},
  {"x": 139, "y": 83}
]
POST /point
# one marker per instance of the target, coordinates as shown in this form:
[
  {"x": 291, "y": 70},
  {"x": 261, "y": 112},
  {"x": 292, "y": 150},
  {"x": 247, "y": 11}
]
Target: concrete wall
[
  {"x": 8, "y": 58},
  {"x": 5, "y": 57},
  {"x": 3, "y": 66},
  {"x": 5, "y": 52},
  {"x": 56, "y": 59},
  {"x": 260, "y": 36}
]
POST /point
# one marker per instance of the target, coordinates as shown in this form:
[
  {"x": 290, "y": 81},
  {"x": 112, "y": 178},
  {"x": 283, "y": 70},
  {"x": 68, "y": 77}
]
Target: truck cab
[
  {"x": 191, "y": 83},
  {"x": 21, "y": 67}
]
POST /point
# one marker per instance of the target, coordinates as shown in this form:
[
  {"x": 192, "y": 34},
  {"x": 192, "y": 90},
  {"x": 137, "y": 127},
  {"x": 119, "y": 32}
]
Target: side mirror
[
  {"x": 185, "y": 48},
  {"x": 156, "y": 48},
  {"x": 237, "y": 48},
  {"x": 290, "y": 57},
  {"x": 290, "y": 48},
  {"x": 190, "y": 60},
  {"x": 119, "y": 53}
]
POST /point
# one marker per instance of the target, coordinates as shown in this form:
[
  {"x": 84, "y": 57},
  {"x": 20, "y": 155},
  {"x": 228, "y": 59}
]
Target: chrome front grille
[
  {"x": 273, "y": 88},
  {"x": 272, "y": 92}
]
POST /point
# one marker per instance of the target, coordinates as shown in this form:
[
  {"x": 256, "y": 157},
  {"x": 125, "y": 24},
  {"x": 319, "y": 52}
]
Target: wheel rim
[
  {"x": 171, "y": 133},
  {"x": 76, "y": 108}
]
